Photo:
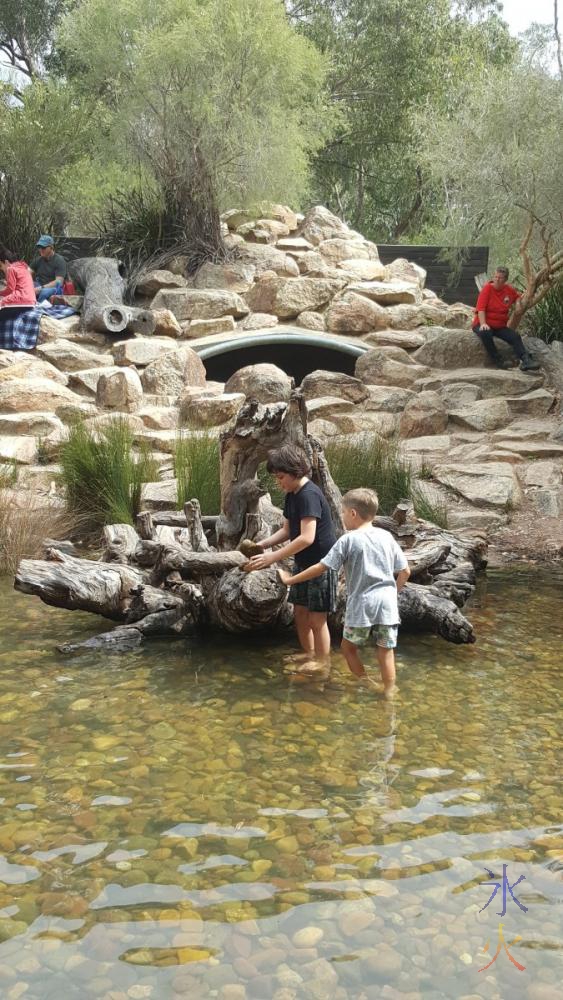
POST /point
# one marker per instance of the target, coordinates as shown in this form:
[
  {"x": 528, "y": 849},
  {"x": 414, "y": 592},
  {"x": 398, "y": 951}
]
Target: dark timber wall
[
  {"x": 439, "y": 275},
  {"x": 457, "y": 288}
]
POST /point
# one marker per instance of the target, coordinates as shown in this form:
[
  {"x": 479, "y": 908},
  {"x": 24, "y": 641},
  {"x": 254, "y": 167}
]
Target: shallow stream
[{"x": 188, "y": 821}]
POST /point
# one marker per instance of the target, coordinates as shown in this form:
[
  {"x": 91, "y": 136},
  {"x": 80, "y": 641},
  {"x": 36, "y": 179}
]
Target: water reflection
[{"x": 193, "y": 823}]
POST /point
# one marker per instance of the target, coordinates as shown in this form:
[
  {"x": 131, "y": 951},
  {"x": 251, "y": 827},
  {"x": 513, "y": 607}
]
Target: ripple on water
[{"x": 194, "y": 824}]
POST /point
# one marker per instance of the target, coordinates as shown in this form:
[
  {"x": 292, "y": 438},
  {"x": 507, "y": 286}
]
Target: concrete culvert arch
[{"x": 297, "y": 352}]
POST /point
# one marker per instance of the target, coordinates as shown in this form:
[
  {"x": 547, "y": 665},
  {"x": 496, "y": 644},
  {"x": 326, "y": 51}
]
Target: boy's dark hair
[
  {"x": 366, "y": 502},
  {"x": 6, "y": 254},
  {"x": 290, "y": 459}
]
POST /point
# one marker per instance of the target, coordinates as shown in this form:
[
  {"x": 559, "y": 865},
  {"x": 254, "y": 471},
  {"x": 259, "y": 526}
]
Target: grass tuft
[
  {"x": 24, "y": 526},
  {"x": 103, "y": 476},
  {"x": 373, "y": 462},
  {"x": 196, "y": 467}
]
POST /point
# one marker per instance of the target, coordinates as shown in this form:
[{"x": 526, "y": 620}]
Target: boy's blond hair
[{"x": 366, "y": 502}]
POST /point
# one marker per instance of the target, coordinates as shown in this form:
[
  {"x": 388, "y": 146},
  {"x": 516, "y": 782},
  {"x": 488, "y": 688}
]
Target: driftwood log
[
  {"x": 177, "y": 572},
  {"x": 103, "y": 308}
]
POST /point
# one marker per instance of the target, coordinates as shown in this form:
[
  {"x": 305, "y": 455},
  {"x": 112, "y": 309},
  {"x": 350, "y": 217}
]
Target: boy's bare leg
[
  {"x": 321, "y": 634},
  {"x": 352, "y": 659},
  {"x": 386, "y": 660}
]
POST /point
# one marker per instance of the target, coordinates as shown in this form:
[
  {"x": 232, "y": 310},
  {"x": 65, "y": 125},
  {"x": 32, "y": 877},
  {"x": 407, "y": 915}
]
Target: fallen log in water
[{"x": 165, "y": 578}]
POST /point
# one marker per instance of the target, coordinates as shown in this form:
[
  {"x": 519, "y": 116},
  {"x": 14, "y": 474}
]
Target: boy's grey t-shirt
[{"x": 370, "y": 559}]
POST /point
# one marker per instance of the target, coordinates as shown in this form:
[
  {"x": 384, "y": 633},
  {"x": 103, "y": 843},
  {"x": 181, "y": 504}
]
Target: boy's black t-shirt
[{"x": 310, "y": 501}]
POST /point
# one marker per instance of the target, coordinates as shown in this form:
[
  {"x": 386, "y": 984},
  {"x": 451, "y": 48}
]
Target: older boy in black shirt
[{"x": 308, "y": 525}]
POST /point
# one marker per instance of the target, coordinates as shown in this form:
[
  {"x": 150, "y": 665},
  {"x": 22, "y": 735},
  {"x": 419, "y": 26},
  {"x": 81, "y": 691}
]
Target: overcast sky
[{"x": 521, "y": 13}]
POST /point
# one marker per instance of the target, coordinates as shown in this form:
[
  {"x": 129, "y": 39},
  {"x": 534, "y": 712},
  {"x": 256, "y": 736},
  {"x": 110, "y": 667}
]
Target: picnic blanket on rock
[{"x": 19, "y": 332}]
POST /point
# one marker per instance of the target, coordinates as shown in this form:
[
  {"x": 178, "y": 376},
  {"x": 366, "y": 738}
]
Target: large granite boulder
[
  {"x": 85, "y": 381},
  {"x": 265, "y": 383},
  {"x": 311, "y": 321},
  {"x": 259, "y": 321},
  {"x": 320, "y": 225},
  {"x": 402, "y": 269},
  {"x": 409, "y": 340},
  {"x": 341, "y": 248},
  {"x": 286, "y": 298},
  {"x": 387, "y": 399},
  {"x": 487, "y": 484},
  {"x": 151, "y": 282},
  {"x": 141, "y": 351},
  {"x": 491, "y": 381},
  {"x": 268, "y": 258},
  {"x": 210, "y": 411},
  {"x": 324, "y": 383},
  {"x": 36, "y": 424},
  {"x": 456, "y": 349},
  {"x": 196, "y": 303},
  {"x": 363, "y": 269},
  {"x": 377, "y": 368},
  {"x": 166, "y": 324},
  {"x": 482, "y": 415},
  {"x": 424, "y": 414},
  {"x": 208, "y": 327},
  {"x": 172, "y": 372},
  {"x": 28, "y": 366},
  {"x": 355, "y": 314}
]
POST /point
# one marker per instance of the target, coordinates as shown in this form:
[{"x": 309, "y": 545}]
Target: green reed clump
[
  {"x": 196, "y": 467},
  {"x": 373, "y": 462},
  {"x": 435, "y": 511},
  {"x": 545, "y": 320},
  {"x": 103, "y": 476},
  {"x": 8, "y": 474}
]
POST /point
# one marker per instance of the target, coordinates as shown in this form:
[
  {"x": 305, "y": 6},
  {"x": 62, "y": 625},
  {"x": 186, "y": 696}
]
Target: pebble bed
[{"x": 189, "y": 821}]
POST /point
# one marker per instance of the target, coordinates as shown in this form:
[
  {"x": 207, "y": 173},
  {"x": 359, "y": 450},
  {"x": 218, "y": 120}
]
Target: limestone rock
[
  {"x": 532, "y": 404},
  {"x": 390, "y": 293},
  {"x": 121, "y": 390},
  {"x": 208, "y": 327},
  {"x": 265, "y": 383},
  {"x": 54, "y": 329},
  {"x": 263, "y": 231},
  {"x": 166, "y": 324},
  {"x": 33, "y": 394},
  {"x": 424, "y": 414},
  {"x": 172, "y": 372},
  {"x": 351, "y": 313},
  {"x": 152, "y": 281},
  {"x": 210, "y": 411},
  {"x": 362, "y": 269},
  {"x": 235, "y": 276},
  {"x": 396, "y": 353},
  {"x": 483, "y": 415},
  {"x": 530, "y": 448},
  {"x": 491, "y": 381},
  {"x": 376, "y": 368},
  {"x": 488, "y": 484},
  {"x": 259, "y": 321},
  {"x": 402, "y": 269},
  {"x": 387, "y": 399},
  {"x": 310, "y": 262},
  {"x": 459, "y": 394},
  {"x": 267, "y": 258},
  {"x": 19, "y": 449},
  {"x": 407, "y": 339},
  {"x": 68, "y": 356},
  {"x": 338, "y": 248},
  {"x": 294, "y": 243},
  {"x": 460, "y": 316},
  {"x": 431, "y": 449},
  {"x": 542, "y": 473},
  {"x": 287, "y": 298},
  {"x": 196, "y": 303},
  {"x": 325, "y": 407},
  {"x": 405, "y": 316},
  {"x": 85, "y": 381},
  {"x": 141, "y": 351},
  {"x": 33, "y": 424},
  {"x": 321, "y": 383},
  {"x": 159, "y": 418},
  {"x": 320, "y": 225},
  {"x": 311, "y": 320},
  {"x": 160, "y": 496},
  {"x": 29, "y": 367}
]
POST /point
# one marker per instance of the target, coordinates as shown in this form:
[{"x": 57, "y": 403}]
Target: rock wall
[{"x": 487, "y": 441}]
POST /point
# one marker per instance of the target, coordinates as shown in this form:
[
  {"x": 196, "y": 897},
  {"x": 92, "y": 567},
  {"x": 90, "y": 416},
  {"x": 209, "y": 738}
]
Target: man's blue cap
[{"x": 45, "y": 241}]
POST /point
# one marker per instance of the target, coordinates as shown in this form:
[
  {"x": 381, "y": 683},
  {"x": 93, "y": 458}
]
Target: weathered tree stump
[
  {"x": 103, "y": 308},
  {"x": 166, "y": 578}
]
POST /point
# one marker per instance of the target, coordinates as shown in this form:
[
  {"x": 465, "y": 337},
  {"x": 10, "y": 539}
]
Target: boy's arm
[
  {"x": 307, "y": 574},
  {"x": 402, "y": 577}
]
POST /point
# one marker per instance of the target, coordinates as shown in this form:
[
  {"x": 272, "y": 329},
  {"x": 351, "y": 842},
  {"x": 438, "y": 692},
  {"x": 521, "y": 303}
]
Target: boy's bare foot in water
[{"x": 296, "y": 657}]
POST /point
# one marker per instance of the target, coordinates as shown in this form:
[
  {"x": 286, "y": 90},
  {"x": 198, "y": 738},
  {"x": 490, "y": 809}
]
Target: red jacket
[
  {"x": 19, "y": 290},
  {"x": 496, "y": 303}
]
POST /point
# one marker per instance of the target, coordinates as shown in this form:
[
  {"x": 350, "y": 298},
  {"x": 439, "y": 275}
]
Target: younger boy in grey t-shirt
[{"x": 376, "y": 569}]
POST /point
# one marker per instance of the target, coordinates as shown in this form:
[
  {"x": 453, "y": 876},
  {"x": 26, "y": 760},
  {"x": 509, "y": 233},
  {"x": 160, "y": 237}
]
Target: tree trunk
[{"x": 103, "y": 308}]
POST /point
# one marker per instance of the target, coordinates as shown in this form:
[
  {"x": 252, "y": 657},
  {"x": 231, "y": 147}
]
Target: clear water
[{"x": 187, "y": 821}]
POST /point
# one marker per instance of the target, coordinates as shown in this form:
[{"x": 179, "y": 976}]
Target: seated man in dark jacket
[
  {"x": 49, "y": 269},
  {"x": 494, "y": 304}
]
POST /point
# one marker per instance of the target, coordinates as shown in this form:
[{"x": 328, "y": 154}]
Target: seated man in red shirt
[{"x": 495, "y": 301}]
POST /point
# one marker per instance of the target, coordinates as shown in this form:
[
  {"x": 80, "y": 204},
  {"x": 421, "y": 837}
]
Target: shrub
[
  {"x": 367, "y": 460},
  {"x": 196, "y": 467},
  {"x": 545, "y": 320},
  {"x": 103, "y": 476},
  {"x": 24, "y": 526}
]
